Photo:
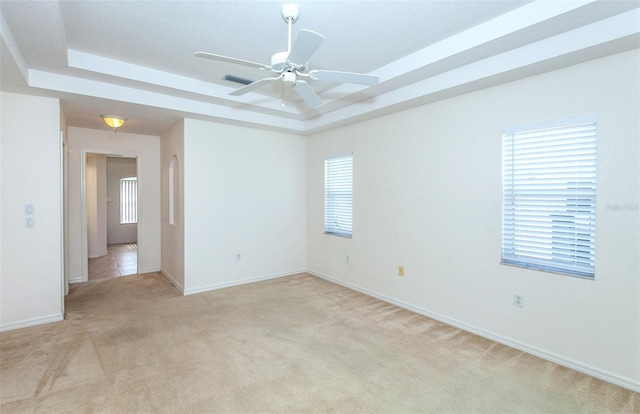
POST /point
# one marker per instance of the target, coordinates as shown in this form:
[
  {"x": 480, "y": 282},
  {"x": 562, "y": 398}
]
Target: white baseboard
[
  {"x": 145, "y": 270},
  {"x": 629, "y": 383},
  {"x": 223, "y": 285},
  {"x": 173, "y": 281},
  {"x": 99, "y": 254},
  {"x": 150, "y": 270},
  {"x": 57, "y": 317},
  {"x": 124, "y": 241}
]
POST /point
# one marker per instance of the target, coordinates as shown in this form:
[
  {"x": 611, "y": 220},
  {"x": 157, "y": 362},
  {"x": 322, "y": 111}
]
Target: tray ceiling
[{"x": 135, "y": 58}]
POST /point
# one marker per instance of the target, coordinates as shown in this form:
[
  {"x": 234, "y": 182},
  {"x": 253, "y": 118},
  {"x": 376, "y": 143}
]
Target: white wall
[
  {"x": 427, "y": 196},
  {"x": 31, "y": 281},
  {"x": 172, "y": 147},
  {"x": 96, "y": 183},
  {"x": 147, "y": 150},
  {"x": 117, "y": 169},
  {"x": 244, "y": 193}
]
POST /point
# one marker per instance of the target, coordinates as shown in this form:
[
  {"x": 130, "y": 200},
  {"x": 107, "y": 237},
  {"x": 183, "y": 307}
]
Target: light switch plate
[{"x": 29, "y": 210}]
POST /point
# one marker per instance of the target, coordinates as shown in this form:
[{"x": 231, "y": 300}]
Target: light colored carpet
[{"x": 294, "y": 344}]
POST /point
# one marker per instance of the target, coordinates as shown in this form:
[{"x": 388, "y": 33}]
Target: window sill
[
  {"x": 548, "y": 270},
  {"x": 346, "y": 236}
]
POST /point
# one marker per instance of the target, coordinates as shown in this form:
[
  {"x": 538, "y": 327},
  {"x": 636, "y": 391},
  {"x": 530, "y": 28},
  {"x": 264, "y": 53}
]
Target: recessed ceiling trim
[
  {"x": 13, "y": 48},
  {"x": 616, "y": 28},
  {"x": 69, "y": 84},
  {"x": 124, "y": 70},
  {"x": 501, "y": 26}
]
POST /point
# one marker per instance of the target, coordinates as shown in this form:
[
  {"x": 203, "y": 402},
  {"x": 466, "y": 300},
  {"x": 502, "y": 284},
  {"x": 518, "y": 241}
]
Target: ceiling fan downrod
[{"x": 290, "y": 13}]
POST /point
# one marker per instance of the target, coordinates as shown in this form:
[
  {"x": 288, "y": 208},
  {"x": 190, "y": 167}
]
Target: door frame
[{"x": 84, "y": 254}]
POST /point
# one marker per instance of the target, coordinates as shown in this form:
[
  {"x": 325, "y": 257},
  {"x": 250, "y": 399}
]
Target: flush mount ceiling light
[{"x": 114, "y": 121}]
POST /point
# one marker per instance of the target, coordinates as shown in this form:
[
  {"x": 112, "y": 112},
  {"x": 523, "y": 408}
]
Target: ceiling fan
[{"x": 292, "y": 67}]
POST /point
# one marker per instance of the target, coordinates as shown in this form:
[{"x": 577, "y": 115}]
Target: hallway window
[{"x": 129, "y": 200}]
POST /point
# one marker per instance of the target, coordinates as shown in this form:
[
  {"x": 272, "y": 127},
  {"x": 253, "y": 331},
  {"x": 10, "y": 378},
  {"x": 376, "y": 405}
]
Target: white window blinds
[
  {"x": 549, "y": 203},
  {"x": 338, "y": 196},
  {"x": 129, "y": 200}
]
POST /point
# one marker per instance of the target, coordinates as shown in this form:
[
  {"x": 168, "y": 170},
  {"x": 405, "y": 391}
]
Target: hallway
[{"x": 121, "y": 260}]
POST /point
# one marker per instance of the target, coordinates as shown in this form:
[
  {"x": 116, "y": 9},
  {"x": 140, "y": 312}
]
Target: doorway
[
  {"x": 110, "y": 217},
  {"x": 121, "y": 260}
]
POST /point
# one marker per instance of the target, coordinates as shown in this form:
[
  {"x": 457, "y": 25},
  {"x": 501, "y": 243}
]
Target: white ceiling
[{"x": 135, "y": 58}]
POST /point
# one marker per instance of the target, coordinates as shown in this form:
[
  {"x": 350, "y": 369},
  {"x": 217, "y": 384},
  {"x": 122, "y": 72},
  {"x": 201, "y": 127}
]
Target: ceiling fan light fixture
[
  {"x": 289, "y": 78},
  {"x": 114, "y": 121}
]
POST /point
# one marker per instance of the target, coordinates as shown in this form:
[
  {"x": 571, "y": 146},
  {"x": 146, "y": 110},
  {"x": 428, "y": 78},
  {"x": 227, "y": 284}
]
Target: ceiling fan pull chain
[{"x": 282, "y": 94}]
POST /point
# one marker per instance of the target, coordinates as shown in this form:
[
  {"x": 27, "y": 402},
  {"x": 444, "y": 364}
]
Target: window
[
  {"x": 549, "y": 197},
  {"x": 338, "y": 196},
  {"x": 129, "y": 200}
]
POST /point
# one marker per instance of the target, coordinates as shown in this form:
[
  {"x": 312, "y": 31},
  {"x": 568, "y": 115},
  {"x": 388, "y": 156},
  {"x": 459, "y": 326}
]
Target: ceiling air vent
[{"x": 237, "y": 79}]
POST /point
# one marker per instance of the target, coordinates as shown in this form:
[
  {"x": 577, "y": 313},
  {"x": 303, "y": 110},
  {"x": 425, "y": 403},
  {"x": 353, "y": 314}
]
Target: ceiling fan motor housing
[{"x": 279, "y": 61}]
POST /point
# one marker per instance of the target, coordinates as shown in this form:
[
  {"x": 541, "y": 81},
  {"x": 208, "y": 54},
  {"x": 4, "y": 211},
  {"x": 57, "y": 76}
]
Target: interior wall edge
[
  {"x": 616, "y": 379},
  {"x": 173, "y": 281}
]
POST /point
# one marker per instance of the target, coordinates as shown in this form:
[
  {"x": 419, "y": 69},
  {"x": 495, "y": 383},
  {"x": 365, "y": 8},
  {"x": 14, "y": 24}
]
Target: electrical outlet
[
  {"x": 518, "y": 300},
  {"x": 237, "y": 257},
  {"x": 400, "y": 270}
]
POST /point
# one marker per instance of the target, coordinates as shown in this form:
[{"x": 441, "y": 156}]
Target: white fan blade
[
  {"x": 228, "y": 59},
  {"x": 307, "y": 93},
  {"x": 253, "y": 86},
  {"x": 344, "y": 77},
  {"x": 305, "y": 46}
]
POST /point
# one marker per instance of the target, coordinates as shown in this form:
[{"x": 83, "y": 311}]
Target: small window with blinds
[
  {"x": 338, "y": 196},
  {"x": 549, "y": 197},
  {"x": 129, "y": 200}
]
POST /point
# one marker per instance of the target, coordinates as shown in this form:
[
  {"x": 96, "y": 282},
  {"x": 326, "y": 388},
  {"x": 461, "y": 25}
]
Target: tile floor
[{"x": 121, "y": 260}]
